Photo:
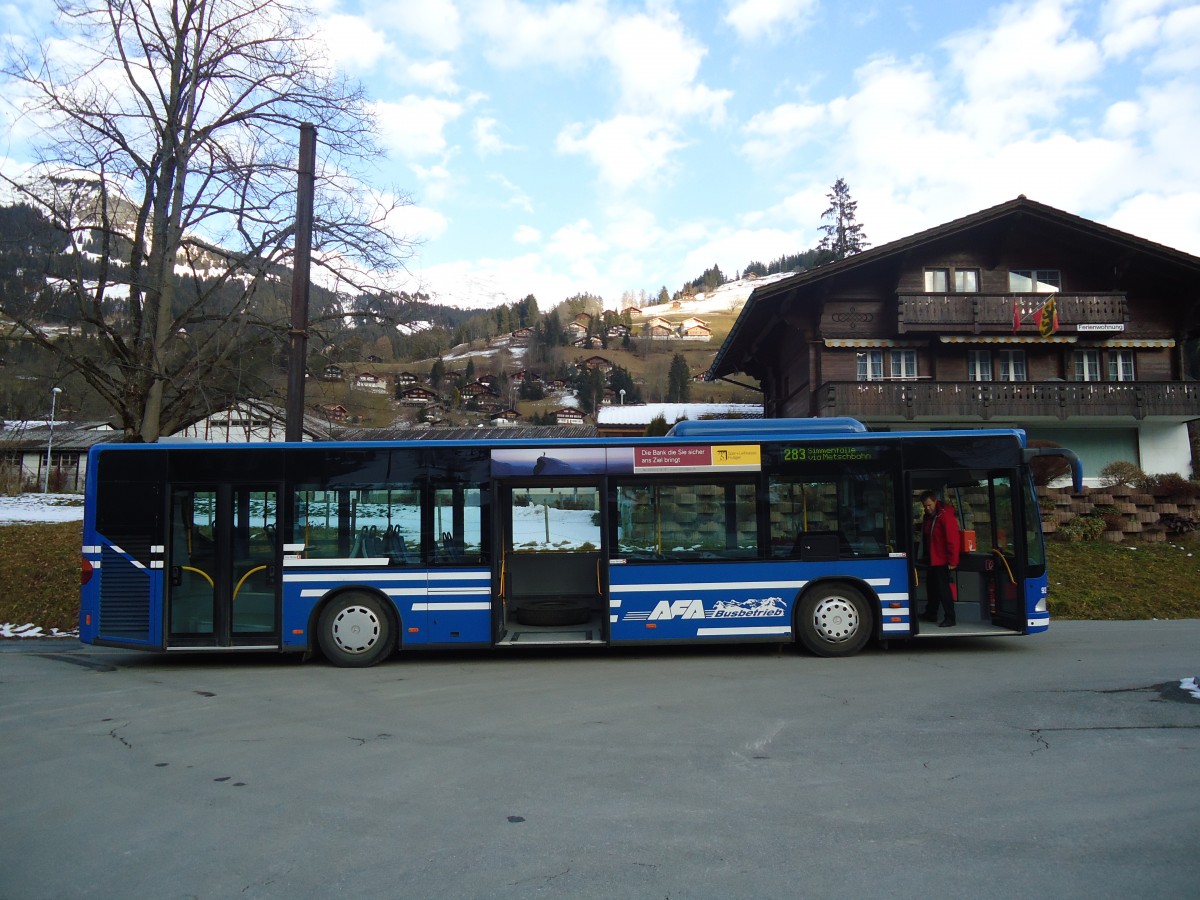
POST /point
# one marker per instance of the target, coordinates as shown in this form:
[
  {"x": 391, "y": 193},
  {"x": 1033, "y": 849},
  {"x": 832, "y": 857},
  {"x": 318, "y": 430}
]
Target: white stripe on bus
[
  {"x": 449, "y": 607},
  {"x": 706, "y": 586},
  {"x": 762, "y": 629}
]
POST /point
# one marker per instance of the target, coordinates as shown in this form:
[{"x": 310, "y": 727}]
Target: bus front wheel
[
  {"x": 355, "y": 631},
  {"x": 834, "y": 620}
]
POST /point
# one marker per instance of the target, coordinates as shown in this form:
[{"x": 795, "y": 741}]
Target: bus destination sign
[{"x": 828, "y": 453}]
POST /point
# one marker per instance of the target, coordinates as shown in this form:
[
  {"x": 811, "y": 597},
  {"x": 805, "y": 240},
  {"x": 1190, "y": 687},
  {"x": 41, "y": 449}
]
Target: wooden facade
[{"x": 940, "y": 330}]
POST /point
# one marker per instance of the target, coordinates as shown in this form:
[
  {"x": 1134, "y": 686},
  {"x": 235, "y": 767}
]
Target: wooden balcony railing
[
  {"x": 993, "y": 313},
  {"x": 1008, "y": 400}
]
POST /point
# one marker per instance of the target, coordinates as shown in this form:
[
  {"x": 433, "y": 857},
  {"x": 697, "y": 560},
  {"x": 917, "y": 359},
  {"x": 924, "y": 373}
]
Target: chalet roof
[{"x": 765, "y": 302}]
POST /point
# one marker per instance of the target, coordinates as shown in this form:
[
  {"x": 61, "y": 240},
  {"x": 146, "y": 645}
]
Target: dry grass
[{"x": 39, "y": 571}]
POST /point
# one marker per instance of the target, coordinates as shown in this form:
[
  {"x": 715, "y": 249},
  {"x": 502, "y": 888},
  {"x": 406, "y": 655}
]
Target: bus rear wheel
[
  {"x": 834, "y": 620},
  {"x": 355, "y": 631}
]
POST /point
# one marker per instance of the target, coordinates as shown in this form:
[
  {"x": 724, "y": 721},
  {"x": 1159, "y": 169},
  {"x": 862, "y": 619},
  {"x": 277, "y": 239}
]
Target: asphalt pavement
[{"x": 1064, "y": 765}]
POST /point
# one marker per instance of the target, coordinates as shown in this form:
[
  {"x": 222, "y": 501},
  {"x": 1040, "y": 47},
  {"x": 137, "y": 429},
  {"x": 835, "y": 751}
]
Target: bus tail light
[{"x": 85, "y": 571}]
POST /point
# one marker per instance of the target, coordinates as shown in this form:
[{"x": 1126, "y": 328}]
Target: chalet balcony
[
  {"x": 993, "y": 313},
  {"x": 1002, "y": 400}
]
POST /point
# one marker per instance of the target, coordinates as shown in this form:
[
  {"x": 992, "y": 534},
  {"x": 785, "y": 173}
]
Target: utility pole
[{"x": 301, "y": 268}]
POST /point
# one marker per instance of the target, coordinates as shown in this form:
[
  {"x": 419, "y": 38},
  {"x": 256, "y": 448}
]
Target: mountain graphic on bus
[{"x": 767, "y": 606}]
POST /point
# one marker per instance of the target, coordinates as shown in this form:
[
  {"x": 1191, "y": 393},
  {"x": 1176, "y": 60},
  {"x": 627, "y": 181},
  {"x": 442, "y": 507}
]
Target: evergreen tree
[
  {"x": 437, "y": 373},
  {"x": 658, "y": 426},
  {"x": 679, "y": 380},
  {"x": 843, "y": 235}
]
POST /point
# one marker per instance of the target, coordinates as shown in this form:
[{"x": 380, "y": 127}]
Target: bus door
[
  {"x": 989, "y": 581},
  {"x": 222, "y": 568},
  {"x": 551, "y": 570}
]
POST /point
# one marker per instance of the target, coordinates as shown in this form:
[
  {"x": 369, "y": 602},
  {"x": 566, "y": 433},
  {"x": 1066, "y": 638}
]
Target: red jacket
[{"x": 940, "y": 532}]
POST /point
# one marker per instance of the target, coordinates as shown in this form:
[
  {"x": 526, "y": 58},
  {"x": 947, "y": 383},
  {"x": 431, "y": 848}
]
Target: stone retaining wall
[{"x": 1139, "y": 513}]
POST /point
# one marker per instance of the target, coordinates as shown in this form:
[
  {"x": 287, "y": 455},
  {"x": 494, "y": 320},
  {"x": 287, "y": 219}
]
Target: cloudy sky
[{"x": 554, "y": 148}]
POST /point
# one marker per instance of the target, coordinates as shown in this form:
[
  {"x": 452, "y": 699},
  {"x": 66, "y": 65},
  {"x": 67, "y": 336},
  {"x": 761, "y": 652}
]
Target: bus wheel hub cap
[
  {"x": 355, "y": 629},
  {"x": 835, "y": 619}
]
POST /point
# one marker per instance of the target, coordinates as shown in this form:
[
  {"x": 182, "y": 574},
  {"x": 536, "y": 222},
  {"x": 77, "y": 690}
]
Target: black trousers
[{"x": 938, "y": 590}]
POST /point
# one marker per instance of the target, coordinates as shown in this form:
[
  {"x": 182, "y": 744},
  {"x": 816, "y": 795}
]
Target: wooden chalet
[{"x": 940, "y": 330}]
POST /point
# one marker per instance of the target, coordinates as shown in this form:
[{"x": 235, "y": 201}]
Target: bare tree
[{"x": 168, "y": 158}]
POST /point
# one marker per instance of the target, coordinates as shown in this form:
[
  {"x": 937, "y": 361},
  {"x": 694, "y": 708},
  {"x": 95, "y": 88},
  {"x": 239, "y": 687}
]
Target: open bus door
[
  {"x": 990, "y": 578},
  {"x": 222, "y": 584},
  {"x": 552, "y": 573}
]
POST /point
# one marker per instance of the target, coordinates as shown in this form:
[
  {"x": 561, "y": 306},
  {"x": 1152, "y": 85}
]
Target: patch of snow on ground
[
  {"x": 1191, "y": 685},
  {"x": 33, "y": 631},
  {"x": 27, "y": 509}
]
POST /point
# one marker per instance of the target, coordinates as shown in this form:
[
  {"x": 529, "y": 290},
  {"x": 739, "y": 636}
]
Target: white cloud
[
  {"x": 527, "y": 234},
  {"x": 434, "y": 24},
  {"x": 517, "y": 197},
  {"x": 415, "y": 126},
  {"x": 487, "y": 141},
  {"x": 354, "y": 45},
  {"x": 1022, "y": 67},
  {"x": 779, "y": 132},
  {"x": 560, "y": 34},
  {"x": 417, "y": 223},
  {"x": 772, "y": 19},
  {"x": 657, "y": 65},
  {"x": 1173, "y": 220},
  {"x": 733, "y": 249},
  {"x": 437, "y": 75},
  {"x": 577, "y": 241},
  {"x": 628, "y": 150}
]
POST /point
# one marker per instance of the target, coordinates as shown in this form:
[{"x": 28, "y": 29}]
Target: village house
[{"x": 1020, "y": 315}]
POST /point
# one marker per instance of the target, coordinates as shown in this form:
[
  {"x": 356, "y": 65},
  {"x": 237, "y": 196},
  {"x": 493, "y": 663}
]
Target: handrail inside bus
[
  {"x": 1069, "y": 455},
  {"x": 199, "y": 572},
  {"x": 1004, "y": 560},
  {"x": 243, "y": 579}
]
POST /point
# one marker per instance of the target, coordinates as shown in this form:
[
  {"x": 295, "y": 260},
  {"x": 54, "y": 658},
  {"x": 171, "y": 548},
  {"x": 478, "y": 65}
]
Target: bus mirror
[{"x": 1069, "y": 455}]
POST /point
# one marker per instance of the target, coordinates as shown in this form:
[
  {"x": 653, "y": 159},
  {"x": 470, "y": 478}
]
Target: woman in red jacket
[{"x": 939, "y": 550}]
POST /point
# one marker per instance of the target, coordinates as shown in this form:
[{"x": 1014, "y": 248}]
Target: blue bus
[{"x": 789, "y": 531}]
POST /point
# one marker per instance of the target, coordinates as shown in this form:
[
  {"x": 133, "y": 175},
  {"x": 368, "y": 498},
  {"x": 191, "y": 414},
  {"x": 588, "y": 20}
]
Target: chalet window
[
  {"x": 937, "y": 281},
  {"x": 1087, "y": 365},
  {"x": 979, "y": 365},
  {"x": 1120, "y": 365},
  {"x": 870, "y": 365},
  {"x": 1012, "y": 365},
  {"x": 904, "y": 364},
  {"x": 966, "y": 281},
  {"x": 1034, "y": 281}
]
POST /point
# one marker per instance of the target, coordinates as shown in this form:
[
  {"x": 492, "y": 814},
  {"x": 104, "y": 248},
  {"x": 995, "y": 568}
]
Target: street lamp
[{"x": 50, "y": 440}]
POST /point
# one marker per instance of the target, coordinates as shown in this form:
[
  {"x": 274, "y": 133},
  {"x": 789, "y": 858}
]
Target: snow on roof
[{"x": 644, "y": 413}]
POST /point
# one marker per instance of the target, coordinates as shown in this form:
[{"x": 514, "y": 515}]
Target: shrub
[
  {"x": 1121, "y": 472},
  {"x": 1179, "y": 524},
  {"x": 1170, "y": 485},
  {"x": 1047, "y": 506},
  {"x": 1082, "y": 528}
]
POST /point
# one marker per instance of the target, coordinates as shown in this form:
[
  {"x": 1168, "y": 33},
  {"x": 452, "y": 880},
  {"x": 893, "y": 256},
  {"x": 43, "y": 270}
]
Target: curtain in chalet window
[
  {"x": 870, "y": 365},
  {"x": 1012, "y": 365},
  {"x": 979, "y": 365},
  {"x": 1120, "y": 365}
]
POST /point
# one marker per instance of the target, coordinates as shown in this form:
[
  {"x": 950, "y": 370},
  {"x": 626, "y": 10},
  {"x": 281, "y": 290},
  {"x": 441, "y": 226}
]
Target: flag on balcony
[
  {"x": 1016, "y": 317},
  {"x": 1046, "y": 318}
]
